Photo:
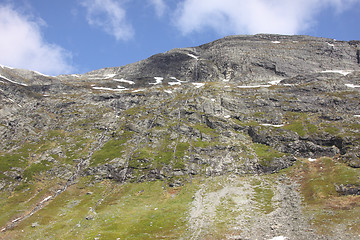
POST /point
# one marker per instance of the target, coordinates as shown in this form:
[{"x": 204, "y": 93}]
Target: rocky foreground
[{"x": 247, "y": 137}]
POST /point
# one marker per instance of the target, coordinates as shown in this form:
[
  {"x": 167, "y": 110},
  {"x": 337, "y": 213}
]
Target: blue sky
[{"x": 76, "y": 36}]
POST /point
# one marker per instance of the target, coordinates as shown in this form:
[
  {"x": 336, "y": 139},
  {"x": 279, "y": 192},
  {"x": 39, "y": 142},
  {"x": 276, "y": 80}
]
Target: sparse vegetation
[{"x": 265, "y": 153}]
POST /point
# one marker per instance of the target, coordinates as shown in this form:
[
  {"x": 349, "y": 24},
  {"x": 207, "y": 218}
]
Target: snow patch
[
  {"x": 75, "y": 75},
  {"x": 213, "y": 100},
  {"x": 22, "y": 84},
  {"x": 331, "y": 45},
  {"x": 356, "y": 115},
  {"x": 16, "y": 219},
  {"x": 272, "y": 125},
  {"x": 311, "y": 159},
  {"x": 45, "y": 199},
  {"x": 174, "y": 83},
  {"x": 110, "y": 89},
  {"x": 352, "y": 85},
  {"x": 39, "y": 73},
  {"x": 158, "y": 80},
  {"x": 168, "y": 91},
  {"x": 279, "y": 238},
  {"x": 193, "y": 56},
  {"x": 226, "y": 80},
  {"x": 255, "y": 86},
  {"x": 110, "y": 75},
  {"x": 275, "y": 82},
  {"x": 138, "y": 90},
  {"x": 198, "y": 85},
  {"x": 276, "y": 42},
  {"x": 342, "y": 72},
  {"x": 3, "y": 66},
  {"x": 227, "y": 116},
  {"x": 124, "y": 81}
]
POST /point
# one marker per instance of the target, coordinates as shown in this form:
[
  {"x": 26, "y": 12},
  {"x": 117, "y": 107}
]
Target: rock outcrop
[
  {"x": 206, "y": 110},
  {"x": 241, "y": 105}
]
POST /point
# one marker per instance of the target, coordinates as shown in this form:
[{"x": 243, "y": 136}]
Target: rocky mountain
[{"x": 245, "y": 137}]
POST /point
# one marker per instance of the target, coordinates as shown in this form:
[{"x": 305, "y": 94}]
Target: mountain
[{"x": 241, "y": 138}]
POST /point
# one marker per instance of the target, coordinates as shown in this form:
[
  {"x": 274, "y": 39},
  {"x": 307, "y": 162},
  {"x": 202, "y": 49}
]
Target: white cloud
[
  {"x": 255, "y": 16},
  {"x": 22, "y": 45},
  {"x": 159, "y": 6},
  {"x": 110, "y": 16}
]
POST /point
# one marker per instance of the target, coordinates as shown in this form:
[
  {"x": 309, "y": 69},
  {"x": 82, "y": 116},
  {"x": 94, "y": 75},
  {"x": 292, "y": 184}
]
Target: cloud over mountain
[
  {"x": 22, "y": 45},
  {"x": 257, "y": 16},
  {"x": 110, "y": 16}
]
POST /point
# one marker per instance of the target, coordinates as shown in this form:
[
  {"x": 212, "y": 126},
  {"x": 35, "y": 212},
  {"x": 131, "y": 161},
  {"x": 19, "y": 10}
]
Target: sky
[{"x": 77, "y": 36}]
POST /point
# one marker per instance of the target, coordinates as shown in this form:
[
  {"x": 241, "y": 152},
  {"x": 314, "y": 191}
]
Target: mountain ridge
[{"x": 241, "y": 120}]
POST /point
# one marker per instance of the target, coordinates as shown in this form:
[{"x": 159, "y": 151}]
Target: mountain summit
[{"x": 244, "y": 137}]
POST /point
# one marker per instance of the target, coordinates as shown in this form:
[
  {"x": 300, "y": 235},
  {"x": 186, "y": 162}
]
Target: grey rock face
[
  {"x": 241, "y": 104},
  {"x": 246, "y": 59}
]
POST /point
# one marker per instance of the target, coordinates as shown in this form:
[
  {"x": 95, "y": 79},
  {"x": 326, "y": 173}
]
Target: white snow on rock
[
  {"x": 352, "y": 85},
  {"x": 174, "y": 83},
  {"x": 106, "y": 76},
  {"x": 138, "y": 90},
  {"x": 279, "y": 238},
  {"x": 213, "y": 100},
  {"x": 158, "y": 80},
  {"x": 342, "y": 72},
  {"x": 275, "y": 82},
  {"x": 193, "y": 56},
  {"x": 272, "y": 125},
  {"x": 16, "y": 219},
  {"x": 331, "y": 45},
  {"x": 255, "y": 86},
  {"x": 45, "y": 199},
  {"x": 311, "y": 159},
  {"x": 356, "y": 115},
  {"x": 39, "y": 73},
  {"x": 22, "y": 84},
  {"x": 178, "y": 82},
  {"x": 3, "y": 66},
  {"x": 227, "y": 116},
  {"x": 124, "y": 81},
  {"x": 111, "y": 75},
  {"x": 198, "y": 85},
  {"x": 168, "y": 91},
  {"x": 276, "y": 42},
  {"x": 110, "y": 89}
]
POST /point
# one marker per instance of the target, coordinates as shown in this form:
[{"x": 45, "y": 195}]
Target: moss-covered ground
[
  {"x": 321, "y": 201},
  {"x": 129, "y": 211}
]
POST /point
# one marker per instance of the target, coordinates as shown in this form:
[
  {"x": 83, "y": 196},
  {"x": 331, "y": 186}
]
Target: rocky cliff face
[{"x": 239, "y": 105}]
